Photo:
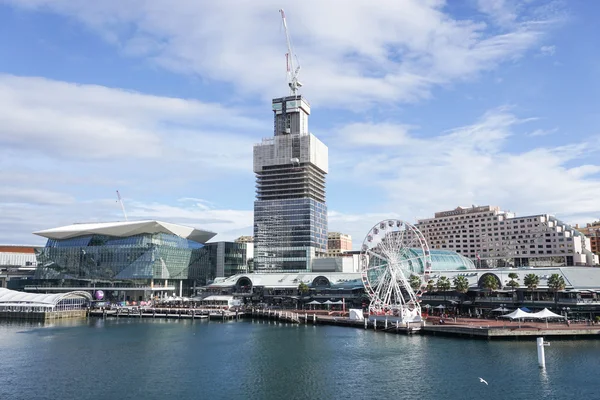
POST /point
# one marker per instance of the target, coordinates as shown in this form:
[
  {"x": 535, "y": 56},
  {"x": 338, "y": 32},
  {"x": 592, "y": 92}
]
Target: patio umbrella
[
  {"x": 314, "y": 302},
  {"x": 500, "y": 309}
]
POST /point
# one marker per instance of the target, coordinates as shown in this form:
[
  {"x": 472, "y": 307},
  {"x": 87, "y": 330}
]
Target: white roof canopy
[
  {"x": 545, "y": 314},
  {"x": 517, "y": 314},
  {"x": 12, "y": 297},
  {"x": 125, "y": 229}
]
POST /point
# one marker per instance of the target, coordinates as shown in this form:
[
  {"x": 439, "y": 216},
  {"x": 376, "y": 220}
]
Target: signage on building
[{"x": 460, "y": 211}]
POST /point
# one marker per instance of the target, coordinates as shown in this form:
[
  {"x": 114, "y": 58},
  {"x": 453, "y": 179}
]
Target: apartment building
[
  {"x": 494, "y": 238},
  {"x": 338, "y": 243}
]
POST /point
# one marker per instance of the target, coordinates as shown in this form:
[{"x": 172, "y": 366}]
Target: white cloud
[
  {"x": 547, "y": 50},
  {"x": 352, "y": 54},
  {"x": 410, "y": 178},
  {"x": 477, "y": 164},
  {"x": 543, "y": 132},
  {"x": 88, "y": 122},
  {"x": 503, "y": 12}
]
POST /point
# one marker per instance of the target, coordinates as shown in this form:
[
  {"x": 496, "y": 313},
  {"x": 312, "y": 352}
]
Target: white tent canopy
[
  {"x": 500, "y": 309},
  {"x": 518, "y": 314},
  {"x": 314, "y": 302},
  {"x": 545, "y": 314}
]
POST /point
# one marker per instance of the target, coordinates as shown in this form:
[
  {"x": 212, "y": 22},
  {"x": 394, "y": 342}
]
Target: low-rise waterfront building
[
  {"x": 221, "y": 260},
  {"x": 17, "y": 264},
  {"x": 21, "y": 305},
  {"x": 490, "y": 289}
]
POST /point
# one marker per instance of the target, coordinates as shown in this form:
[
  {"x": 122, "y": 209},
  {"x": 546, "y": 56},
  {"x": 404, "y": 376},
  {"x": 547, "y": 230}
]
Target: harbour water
[{"x": 180, "y": 359}]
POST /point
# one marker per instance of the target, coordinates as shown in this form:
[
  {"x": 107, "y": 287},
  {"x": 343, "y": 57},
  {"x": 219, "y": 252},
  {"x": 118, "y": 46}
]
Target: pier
[
  {"x": 467, "y": 328},
  {"x": 176, "y": 313}
]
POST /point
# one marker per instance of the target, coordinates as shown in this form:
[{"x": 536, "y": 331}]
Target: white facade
[
  {"x": 277, "y": 150},
  {"x": 336, "y": 264},
  {"x": 492, "y": 238},
  {"x": 18, "y": 260}
]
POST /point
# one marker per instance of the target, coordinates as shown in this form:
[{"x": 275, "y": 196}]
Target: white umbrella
[
  {"x": 314, "y": 302},
  {"x": 440, "y": 307},
  {"x": 500, "y": 309}
]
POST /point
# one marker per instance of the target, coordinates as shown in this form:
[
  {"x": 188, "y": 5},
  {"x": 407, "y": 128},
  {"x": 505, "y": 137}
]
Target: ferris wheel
[{"x": 391, "y": 253}]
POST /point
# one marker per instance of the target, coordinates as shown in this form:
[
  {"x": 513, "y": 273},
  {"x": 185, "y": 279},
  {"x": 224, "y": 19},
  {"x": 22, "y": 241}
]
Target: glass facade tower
[{"x": 290, "y": 212}]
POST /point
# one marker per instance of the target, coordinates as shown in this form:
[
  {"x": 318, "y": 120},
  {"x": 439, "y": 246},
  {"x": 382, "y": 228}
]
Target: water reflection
[{"x": 272, "y": 360}]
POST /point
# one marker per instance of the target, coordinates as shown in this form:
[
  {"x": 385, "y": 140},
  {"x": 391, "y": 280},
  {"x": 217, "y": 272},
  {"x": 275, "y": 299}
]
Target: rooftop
[{"x": 125, "y": 229}]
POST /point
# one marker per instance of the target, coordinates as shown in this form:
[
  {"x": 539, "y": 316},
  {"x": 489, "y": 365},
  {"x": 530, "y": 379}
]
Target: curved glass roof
[
  {"x": 14, "y": 297},
  {"x": 445, "y": 260}
]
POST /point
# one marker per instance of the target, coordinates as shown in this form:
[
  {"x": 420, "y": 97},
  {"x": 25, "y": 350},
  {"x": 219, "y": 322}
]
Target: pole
[{"x": 540, "y": 352}]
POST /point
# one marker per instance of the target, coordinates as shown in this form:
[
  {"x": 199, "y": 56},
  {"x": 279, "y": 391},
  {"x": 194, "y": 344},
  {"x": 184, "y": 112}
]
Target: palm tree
[
  {"x": 415, "y": 282},
  {"x": 461, "y": 284},
  {"x": 430, "y": 285},
  {"x": 490, "y": 283},
  {"x": 531, "y": 281},
  {"x": 514, "y": 277},
  {"x": 443, "y": 284},
  {"x": 303, "y": 288},
  {"x": 556, "y": 283}
]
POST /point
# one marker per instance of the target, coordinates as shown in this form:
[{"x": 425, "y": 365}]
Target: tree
[
  {"x": 490, "y": 282},
  {"x": 461, "y": 284},
  {"x": 443, "y": 285},
  {"x": 514, "y": 277},
  {"x": 556, "y": 283},
  {"x": 303, "y": 288},
  {"x": 430, "y": 286},
  {"x": 415, "y": 282},
  {"x": 531, "y": 281}
]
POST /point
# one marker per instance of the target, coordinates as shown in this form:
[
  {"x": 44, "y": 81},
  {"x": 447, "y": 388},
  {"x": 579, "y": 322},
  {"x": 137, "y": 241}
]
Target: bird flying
[{"x": 483, "y": 381}]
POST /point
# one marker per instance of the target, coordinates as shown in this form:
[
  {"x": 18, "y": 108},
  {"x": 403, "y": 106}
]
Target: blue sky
[{"x": 425, "y": 105}]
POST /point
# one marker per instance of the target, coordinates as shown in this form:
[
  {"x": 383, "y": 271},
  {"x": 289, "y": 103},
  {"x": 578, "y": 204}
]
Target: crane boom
[
  {"x": 292, "y": 70},
  {"x": 120, "y": 200}
]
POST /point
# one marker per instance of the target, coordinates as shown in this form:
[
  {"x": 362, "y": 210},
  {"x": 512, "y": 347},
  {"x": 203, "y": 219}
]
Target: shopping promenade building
[
  {"x": 495, "y": 238},
  {"x": 290, "y": 212}
]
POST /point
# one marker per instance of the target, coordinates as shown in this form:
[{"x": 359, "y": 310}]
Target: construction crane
[
  {"x": 120, "y": 200},
  {"x": 292, "y": 70}
]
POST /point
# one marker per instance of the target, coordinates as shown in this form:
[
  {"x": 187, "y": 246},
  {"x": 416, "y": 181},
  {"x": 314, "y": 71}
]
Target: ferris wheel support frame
[{"x": 392, "y": 250}]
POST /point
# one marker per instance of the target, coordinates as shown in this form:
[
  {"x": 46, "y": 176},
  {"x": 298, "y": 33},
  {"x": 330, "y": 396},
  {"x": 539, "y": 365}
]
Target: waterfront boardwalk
[
  {"x": 461, "y": 327},
  {"x": 179, "y": 313},
  {"x": 490, "y": 329}
]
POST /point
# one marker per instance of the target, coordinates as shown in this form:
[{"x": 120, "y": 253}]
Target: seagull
[{"x": 483, "y": 381}]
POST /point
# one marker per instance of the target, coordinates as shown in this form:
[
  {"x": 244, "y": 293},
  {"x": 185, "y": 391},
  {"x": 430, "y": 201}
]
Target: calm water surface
[{"x": 172, "y": 359}]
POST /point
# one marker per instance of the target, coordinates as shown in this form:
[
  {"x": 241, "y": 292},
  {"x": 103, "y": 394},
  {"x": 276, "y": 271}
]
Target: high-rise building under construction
[{"x": 290, "y": 213}]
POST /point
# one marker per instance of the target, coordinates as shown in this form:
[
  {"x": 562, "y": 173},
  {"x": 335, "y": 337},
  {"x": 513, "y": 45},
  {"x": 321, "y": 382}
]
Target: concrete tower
[{"x": 290, "y": 213}]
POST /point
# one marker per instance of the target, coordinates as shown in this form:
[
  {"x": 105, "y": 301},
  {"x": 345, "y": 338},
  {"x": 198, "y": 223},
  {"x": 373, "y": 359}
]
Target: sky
[{"x": 425, "y": 105}]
